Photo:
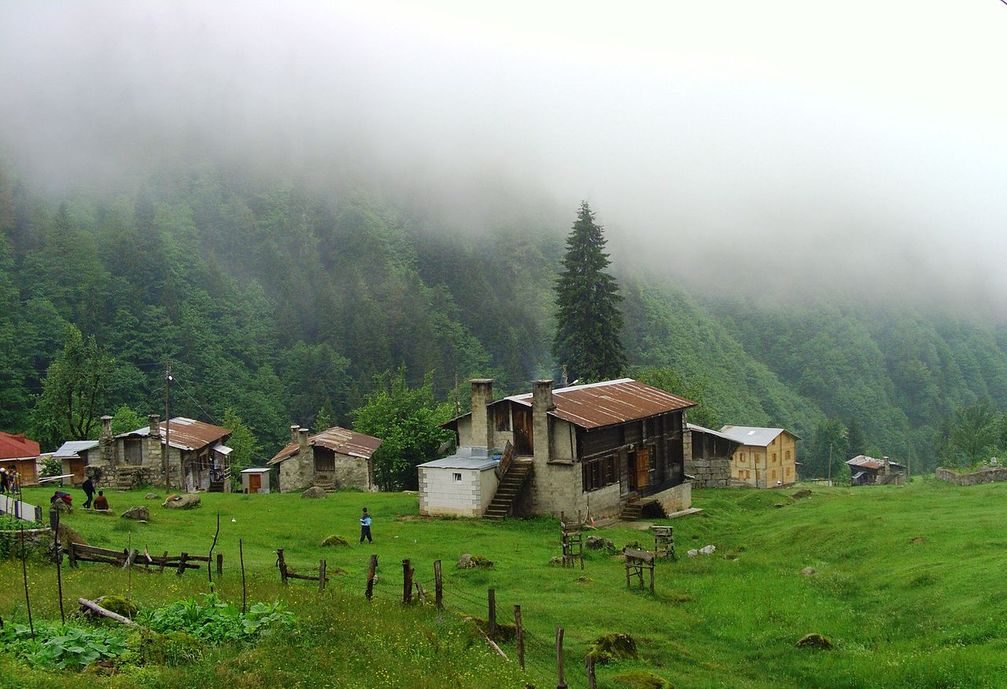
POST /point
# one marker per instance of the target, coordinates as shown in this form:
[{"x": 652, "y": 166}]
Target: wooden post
[
  {"x": 371, "y": 569},
  {"x": 241, "y": 561},
  {"x": 519, "y": 633},
  {"x": 220, "y": 564},
  {"x": 71, "y": 556},
  {"x": 407, "y": 582},
  {"x": 592, "y": 681},
  {"x": 321, "y": 575},
  {"x": 164, "y": 560},
  {"x": 209, "y": 556},
  {"x": 560, "y": 682},
  {"x": 282, "y": 564},
  {"x": 652, "y": 576},
  {"x": 491, "y": 617},
  {"x": 54, "y": 523},
  {"x": 438, "y": 585},
  {"x": 181, "y": 564}
]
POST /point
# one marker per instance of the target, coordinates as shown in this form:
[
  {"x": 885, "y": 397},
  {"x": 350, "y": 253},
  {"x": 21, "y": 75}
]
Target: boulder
[
  {"x": 708, "y": 549},
  {"x": 181, "y": 502},
  {"x": 469, "y": 561},
  {"x": 640, "y": 679},
  {"x": 598, "y": 543},
  {"x": 692, "y": 552},
  {"x": 814, "y": 641},
  {"x": 809, "y": 571},
  {"x": 151, "y": 496},
  {"x": 614, "y": 646},
  {"x": 139, "y": 513},
  {"x": 314, "y": 493},
  {"x": 335, "y": 541}
]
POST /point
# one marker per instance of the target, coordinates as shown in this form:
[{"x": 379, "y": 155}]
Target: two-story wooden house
[
  {"x": 590, "y": 449},
  {"x": 764, "y": 458}
]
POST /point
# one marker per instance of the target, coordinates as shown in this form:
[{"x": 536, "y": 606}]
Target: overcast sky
[{"x": 836, "y": 145}]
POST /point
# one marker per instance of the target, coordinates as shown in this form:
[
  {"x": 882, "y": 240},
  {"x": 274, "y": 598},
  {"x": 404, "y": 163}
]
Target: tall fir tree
[{"x": 589, "y": 323}]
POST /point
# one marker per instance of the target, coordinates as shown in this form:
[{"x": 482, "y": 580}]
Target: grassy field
[{"x": 908, "y": 588}]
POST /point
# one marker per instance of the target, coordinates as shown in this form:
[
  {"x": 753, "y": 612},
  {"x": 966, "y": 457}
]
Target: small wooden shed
[{"x": 255, "y": 480}]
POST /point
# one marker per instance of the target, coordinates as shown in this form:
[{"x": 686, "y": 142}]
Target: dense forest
[{"x": 274, "y": 305}]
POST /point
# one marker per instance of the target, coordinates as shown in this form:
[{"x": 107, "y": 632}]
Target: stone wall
[
  {"x": 296, "y": 473},
  {"x": 127, "y": 476},
  {"x": 676, "y": 498},
  {"x": 709, "y": 473},
  {"x": 351, "y": 472},
  {"x": 985, "y": 475}
]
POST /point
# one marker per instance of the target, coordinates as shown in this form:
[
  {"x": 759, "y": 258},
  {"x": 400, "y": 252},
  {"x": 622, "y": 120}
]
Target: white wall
[{"x": 441, "y": 494}]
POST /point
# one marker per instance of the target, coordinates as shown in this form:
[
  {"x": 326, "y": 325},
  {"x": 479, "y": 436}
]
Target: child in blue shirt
[{"x": 365, "y": 527}]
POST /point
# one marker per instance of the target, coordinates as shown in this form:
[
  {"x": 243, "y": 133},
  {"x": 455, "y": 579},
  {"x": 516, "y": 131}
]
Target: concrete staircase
[{"x": 508, "y": 490}]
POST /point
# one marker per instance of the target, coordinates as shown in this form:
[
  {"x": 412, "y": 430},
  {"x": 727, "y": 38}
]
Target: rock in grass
[
  {"x": 641, "y": 679},
  {"x": 809, "y": 571},
  {"x": 805, "y": 493},
  {"x": 334, "y": 540},
  {"x": 181, "y": 502},
  {"x": 612, "y": 647},
  {"x": 814, "y": 641},
  {"x": 140, "y": 513},
  {"x": 314, "y": 492},
  {"x": 598, "y": 543},
  {"x": 469, "y": 561},
  {"x": 151, "y": 496},
  {"x": 120, "y": 605},
  {"x": 708, "y": 549}
]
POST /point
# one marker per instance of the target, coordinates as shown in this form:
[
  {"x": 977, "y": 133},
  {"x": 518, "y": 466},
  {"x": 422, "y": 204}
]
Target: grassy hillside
[{"x": 907, "y": 588}]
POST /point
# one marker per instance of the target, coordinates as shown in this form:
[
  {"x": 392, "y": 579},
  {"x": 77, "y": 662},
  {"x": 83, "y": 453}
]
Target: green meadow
[{"x": 908, "y": 587}]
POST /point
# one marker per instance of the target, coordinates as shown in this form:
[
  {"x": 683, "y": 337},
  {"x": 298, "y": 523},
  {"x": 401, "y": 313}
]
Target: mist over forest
[{"x": 288, "y": 205}]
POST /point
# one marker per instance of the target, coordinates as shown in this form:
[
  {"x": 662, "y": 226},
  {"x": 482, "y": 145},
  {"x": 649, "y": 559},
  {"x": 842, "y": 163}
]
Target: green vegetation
[
  {"x": 588, "y": 341},
  {"x": 906, "y": 586}
]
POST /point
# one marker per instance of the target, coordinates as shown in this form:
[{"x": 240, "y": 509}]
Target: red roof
[
  {"x": 17, "y": 447},
  {"x": 596, "y": 405}
]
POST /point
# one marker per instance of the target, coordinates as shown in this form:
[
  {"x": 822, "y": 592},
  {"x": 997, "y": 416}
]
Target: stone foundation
[
  {"x": 128, "y": 477},
  {"x": 674, "y": 499},
  {"x": 985, "y": 475}
]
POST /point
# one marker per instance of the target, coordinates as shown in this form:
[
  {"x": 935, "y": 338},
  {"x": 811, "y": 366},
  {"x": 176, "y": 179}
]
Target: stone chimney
[
  {"x": 887, "y": 465},
  {"x": 106, "y": 440},
  {"x": 302, "y": 441},
  {"x": 541, "y": 404},
  {"x": 293, "y": 432},
  {"x": 154, "y": 422},
  {"x": 482, "y": 424}
]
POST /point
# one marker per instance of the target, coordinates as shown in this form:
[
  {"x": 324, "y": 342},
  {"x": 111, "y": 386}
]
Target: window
[
  {"x": 457, "y": 477},
  {"x": 786, "y": 455},
  {"x": 774, "y": 458},
  {"x": 598, "y": 473}
]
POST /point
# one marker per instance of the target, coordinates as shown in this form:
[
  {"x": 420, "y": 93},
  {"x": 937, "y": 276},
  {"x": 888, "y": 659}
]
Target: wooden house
[
  {"x": 765, "y": 457},
  {"x": 19, "y": 457},
  {"x": 334, "y": 458},
  {"x": 866, "y": 471},
  {"x": 601, "y": 449}
]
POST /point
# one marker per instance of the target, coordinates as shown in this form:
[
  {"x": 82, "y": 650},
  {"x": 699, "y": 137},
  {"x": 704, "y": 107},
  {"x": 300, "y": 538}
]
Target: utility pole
[
  {"x": 168, "y": 380},
  {"x": 830, "y": 464}
]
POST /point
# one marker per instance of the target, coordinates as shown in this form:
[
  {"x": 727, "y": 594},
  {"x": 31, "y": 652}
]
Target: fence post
[
  {"x": 181, "y": 564},
  {"x": 220, "y": 564},
  {"x": 560, "y": 682},
  {"x": 282, "y": 564},
  {"x": 407, "y": 582},
  {"x": 438, "y": 585},
  {"x": 491, "y": 617},
  {"x": 241, "y": 562},
  {"x": 321, "y": 575},
  {"x": 371, "y": 569},
  {"x": 592, "y": 681},
  {"x": 519, "y": 630}
]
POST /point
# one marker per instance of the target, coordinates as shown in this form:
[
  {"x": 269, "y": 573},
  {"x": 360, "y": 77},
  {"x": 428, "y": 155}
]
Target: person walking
[
  {"x": 365, "y": 526},
  {"x": 88, "y": 488}
]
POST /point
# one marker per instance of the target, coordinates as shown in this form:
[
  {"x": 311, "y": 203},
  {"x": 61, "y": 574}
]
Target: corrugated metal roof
[
  {"x": 865, "y": 462},
  {"x": 70, "y": 448},
  {"x": 186, "y": 434},
  {"x": 17, "y": 447},
  {"x": 701, "y": 429},
  {"x": 608, "y": 403},
  {"x": 753, "y": 435},
  {"x": 337, "y": 439}
]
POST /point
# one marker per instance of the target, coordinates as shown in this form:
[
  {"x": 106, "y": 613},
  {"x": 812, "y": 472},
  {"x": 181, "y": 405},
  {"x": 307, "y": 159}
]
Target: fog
[{"x": 782, "y": 148}]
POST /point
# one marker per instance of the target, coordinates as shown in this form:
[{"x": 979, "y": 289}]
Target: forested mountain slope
[{"x": 279, "y": 304}]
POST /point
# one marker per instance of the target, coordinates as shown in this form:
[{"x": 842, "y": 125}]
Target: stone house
[
  {"x": 332, "y": 459},
  {"x": 19, "y": 455},
  {"x": 197, "y": 456},
  {"x": 596, "y": 449},
  {"x": 764, "y": 458},
  {"x": 708, "y": 457},
  {"x": 866, "y": 471}
]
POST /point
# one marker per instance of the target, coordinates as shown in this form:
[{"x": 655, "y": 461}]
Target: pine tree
[{"x": 589, "y": 322}]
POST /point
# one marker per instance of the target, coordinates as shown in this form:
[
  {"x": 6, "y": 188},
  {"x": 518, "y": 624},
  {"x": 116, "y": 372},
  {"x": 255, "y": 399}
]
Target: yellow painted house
[{"x": 765, "y": 458}]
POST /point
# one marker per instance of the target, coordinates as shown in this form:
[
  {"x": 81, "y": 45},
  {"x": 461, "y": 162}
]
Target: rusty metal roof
[
  {"x": 186, "y": 434},
  {"x": 341, "y": 440},
  {"x": 865, "y": 462},
  {"x": 611, "y": 402}
]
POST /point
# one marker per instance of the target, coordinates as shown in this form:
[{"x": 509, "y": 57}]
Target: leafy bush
[
  {"x": 63, "y": 647},
  {"x": 51, "y": 467},
  {"x": 213, "y": 620}
]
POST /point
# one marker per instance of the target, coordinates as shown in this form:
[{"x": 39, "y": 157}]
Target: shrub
[{"x": 213, "y": 620}]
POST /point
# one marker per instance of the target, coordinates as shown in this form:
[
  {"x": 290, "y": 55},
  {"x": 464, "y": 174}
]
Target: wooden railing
[{"x": 505, "y": 461}]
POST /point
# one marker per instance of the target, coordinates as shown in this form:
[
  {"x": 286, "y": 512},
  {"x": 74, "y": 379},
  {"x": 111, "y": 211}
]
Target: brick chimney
[
  {"x": 482, "y": 424},
  {"x": 541, "y": 404}
]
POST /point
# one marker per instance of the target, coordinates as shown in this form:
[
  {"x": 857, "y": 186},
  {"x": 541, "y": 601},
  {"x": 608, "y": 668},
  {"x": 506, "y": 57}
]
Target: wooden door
[
  {"x": 642, "y": 469},
  {"x": 77, "y": 469},
  {"x": 254, "y": 483}
]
